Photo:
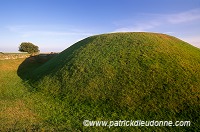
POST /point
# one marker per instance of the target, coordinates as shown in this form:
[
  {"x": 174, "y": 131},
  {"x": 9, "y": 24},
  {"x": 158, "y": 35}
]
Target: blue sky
[{"x": 54, "y": 25}]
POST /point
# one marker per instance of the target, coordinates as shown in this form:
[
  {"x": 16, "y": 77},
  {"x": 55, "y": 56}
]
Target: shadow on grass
[{"x": 30, "y": 64}]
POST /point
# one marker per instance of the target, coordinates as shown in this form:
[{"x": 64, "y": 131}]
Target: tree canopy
[{"x": 28, "y": 47}]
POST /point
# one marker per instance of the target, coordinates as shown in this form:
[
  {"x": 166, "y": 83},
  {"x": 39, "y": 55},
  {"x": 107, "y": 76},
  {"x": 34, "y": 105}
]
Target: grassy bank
[{"x": 125, "y": 76}]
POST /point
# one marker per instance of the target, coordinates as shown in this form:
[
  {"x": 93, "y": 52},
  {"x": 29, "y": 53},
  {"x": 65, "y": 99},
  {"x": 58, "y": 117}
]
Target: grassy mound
[{"x": 125, "y": 76}]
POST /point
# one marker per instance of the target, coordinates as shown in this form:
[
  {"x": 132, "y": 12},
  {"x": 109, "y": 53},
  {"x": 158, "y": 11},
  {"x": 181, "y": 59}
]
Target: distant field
[
  {"x": 6, "y": 56},
  {"x": 2, "y": 53}
]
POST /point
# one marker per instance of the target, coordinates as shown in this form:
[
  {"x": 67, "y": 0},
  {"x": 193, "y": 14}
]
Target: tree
[{"x": 29, "y": 47}]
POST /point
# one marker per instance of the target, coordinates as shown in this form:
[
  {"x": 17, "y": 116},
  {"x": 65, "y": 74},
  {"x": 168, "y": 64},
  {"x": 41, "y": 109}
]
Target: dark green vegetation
[
  {"x": 31, "y": 63},
  {"x": 29, "y": 48},
  {"x": 121, "y": 76}
]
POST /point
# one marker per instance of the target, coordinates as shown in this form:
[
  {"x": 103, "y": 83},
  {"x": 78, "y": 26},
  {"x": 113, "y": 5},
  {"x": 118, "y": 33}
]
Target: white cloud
[
  {"x": 140, "y": 27},
  {"x": 29, "y": 31},
  {"x": 187, "y": 16},
  {"x": 160, "y": 20},
  {"x": 52, "y": 33}
]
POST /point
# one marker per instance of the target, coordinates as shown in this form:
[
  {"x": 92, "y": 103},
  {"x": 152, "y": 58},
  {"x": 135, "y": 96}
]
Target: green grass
[
  {"x": 121, "y": 76},
  {"x": 14, "y": 114},
  {"x": 20, "y": 108}
]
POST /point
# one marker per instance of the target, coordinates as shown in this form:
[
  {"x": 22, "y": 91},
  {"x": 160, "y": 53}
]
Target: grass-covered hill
[{"x": 124, "y": 76}]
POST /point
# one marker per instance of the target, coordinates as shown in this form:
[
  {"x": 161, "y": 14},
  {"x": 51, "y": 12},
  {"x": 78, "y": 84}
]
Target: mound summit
[{"x": 136, "y": 74}]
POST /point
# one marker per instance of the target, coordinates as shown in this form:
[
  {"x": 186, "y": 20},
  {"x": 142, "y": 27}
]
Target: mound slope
[{"x": 146, "y": 72}]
